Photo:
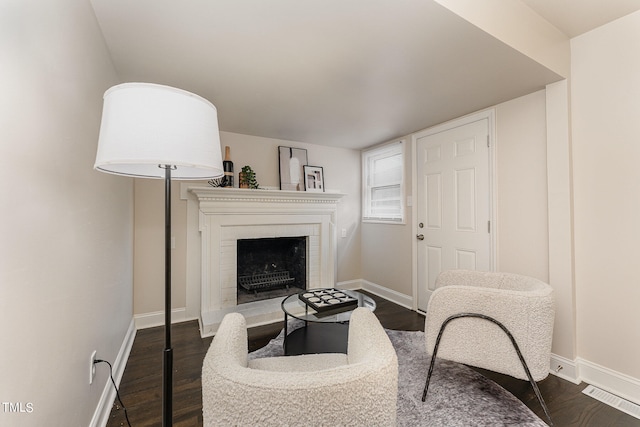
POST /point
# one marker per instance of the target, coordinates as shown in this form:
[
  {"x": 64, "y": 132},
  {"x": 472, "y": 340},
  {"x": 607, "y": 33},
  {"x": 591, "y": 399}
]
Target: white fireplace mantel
[
  {"x": 218, "y": 217},
  {"x": 221, "y": 199}
]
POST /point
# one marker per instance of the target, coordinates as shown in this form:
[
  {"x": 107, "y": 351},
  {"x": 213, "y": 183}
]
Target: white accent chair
[
  {"x": 501, "y": 322},
  {"x": 359, "y": 388}
]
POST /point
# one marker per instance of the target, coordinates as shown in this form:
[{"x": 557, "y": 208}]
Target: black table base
[{"x": 317, "y": 338}]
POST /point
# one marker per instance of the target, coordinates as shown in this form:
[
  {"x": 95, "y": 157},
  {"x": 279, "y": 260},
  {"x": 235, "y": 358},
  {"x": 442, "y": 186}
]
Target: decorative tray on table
[{"x": 327, "y": 299}]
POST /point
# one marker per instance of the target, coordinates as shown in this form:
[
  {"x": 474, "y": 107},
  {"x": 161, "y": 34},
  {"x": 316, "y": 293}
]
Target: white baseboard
[
  {"x": 564, "y": 368},
  {"x": 621, "y": 385},
  {"x": 352, "y": 285},
  {"x": 103, "y": 409},
  {"x": 579, "y": 370},
  {"x": 156, "y": 318},
  {"x": 388, "y": 294}
]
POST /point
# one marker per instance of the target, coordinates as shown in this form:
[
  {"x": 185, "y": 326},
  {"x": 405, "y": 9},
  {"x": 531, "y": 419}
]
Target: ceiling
[
  {"x": 332, "y": 72},
  {"x": 575, "y": 17}
]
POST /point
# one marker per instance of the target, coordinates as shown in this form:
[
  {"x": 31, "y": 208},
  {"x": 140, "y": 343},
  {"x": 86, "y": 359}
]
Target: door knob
[{"x": 420, "y": 236}]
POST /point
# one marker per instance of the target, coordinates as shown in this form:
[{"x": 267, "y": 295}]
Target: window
[{"x": 383, "y": 183}]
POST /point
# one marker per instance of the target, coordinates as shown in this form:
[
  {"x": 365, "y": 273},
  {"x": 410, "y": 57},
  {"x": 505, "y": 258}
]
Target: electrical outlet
[{"x": 92, "y": 366}]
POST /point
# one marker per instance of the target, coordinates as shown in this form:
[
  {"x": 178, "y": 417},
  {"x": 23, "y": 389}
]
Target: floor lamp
[{"x": 154, "y": 131}]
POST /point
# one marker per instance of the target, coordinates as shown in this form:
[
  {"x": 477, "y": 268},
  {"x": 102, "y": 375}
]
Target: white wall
[
  {"x": 605, "y": 96},
  {"x": 387, "y": 259},
  {"x": 525, "y": 239},
  {"x": 148, "y": 292},
  {"x": 341, "y": 173},
  {"x": 66, "y": 270},
  {"x": 560, "y": 208},
  {"x": 521, "y": 136}
]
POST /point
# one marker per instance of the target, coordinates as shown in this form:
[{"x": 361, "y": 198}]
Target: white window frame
[{"x": 382, "y": 151}]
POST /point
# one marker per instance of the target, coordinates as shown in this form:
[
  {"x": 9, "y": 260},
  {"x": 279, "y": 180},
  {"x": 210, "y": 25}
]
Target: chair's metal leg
[
  {"x": 433, "y": 360},
  {"x": 539, "y": 395},
  {"x": 513, "y": 341}
]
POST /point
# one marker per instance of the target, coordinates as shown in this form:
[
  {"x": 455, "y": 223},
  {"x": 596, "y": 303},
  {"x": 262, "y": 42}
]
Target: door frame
[{"x": 489, "y": 115}]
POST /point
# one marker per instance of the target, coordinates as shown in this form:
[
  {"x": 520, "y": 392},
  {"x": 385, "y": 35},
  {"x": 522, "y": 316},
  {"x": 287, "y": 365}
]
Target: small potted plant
[{"x": 247, "y": 178}]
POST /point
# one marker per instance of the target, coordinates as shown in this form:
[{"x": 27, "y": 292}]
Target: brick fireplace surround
[{"x": 218, "y": 217}]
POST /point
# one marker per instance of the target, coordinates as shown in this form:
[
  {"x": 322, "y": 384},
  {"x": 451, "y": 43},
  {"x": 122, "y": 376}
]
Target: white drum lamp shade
[{"x": 145, "y": 126}]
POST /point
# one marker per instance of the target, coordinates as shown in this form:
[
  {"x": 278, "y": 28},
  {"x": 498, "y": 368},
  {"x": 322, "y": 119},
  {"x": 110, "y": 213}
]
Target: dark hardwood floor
[{"x": 141, "y": 386}]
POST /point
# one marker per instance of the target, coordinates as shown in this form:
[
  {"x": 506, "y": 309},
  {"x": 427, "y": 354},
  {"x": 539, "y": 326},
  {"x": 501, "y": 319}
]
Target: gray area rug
[{"x": 458, "y": 395}]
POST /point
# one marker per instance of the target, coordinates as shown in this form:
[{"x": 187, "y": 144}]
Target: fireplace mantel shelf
[{"x": 274, "y": 196}]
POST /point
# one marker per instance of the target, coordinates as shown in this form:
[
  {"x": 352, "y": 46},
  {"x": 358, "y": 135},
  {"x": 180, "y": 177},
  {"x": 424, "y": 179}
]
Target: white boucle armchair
[
  {"x": 359, "y": 388},
  {"x": 496, "y": 321}
]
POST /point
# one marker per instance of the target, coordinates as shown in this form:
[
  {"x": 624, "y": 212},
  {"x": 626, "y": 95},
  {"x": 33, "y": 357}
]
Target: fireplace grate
[{"x": 263, "y": 281}]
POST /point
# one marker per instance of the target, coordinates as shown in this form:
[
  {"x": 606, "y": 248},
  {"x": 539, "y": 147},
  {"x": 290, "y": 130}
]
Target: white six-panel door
[{"x": 453, "y": 203}]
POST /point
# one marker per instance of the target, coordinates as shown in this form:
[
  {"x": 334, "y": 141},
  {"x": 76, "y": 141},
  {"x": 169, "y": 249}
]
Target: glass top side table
[{"x": 323, "y": 331}]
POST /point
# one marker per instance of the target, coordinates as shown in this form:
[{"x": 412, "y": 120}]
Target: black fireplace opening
[{"x": 271, "y": 267}]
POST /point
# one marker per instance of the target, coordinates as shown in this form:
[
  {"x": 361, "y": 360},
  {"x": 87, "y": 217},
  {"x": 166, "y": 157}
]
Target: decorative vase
[
  {"x": 242, "y": 180},
  {"x": 247, "y": 178}
]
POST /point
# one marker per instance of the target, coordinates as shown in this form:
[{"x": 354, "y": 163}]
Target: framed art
[
  {"x": 313, "y": 179},
  {"x": 292, "y": 160}
]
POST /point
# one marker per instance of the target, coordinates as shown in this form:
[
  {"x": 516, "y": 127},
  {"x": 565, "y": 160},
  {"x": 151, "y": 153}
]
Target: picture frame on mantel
[
  {"x": 313, "y": 179},
  {"x": 291, "y": 162}
]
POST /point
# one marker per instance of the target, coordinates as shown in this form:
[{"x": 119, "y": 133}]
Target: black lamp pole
[{"x": 167, "y": 384}]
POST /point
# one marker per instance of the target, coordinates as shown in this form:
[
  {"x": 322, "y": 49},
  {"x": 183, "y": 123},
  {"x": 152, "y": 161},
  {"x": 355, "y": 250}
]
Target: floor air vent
[{"x": 613, "y": 400}]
